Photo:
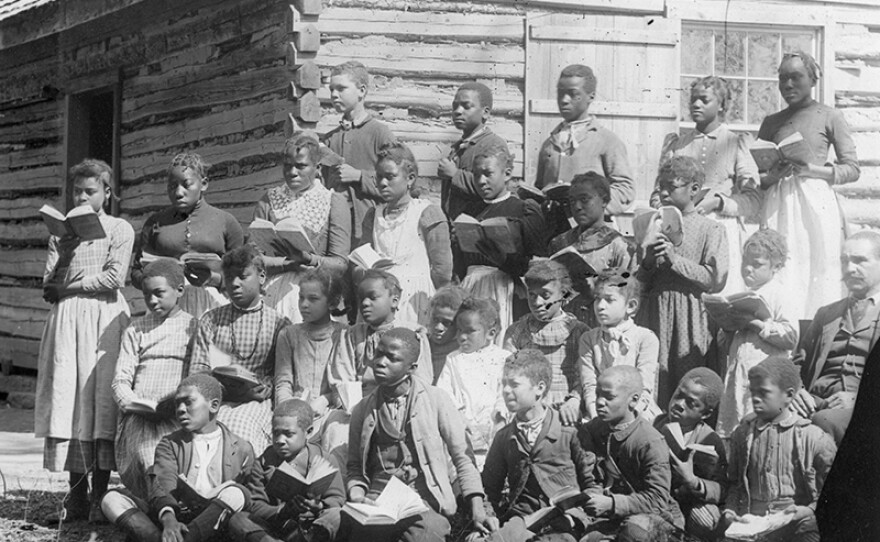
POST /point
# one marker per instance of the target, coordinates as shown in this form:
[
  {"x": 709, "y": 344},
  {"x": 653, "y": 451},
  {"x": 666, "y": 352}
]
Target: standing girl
[
  {"x": 190, "y": 224},
  {"x": 799, "y": 202},
  {"x": 490, "y": 273},
  {"x": 734, "y": 196},
  {"x": 323, "y": 214},
  {"x": 413, "y": 233},
  {"x": 75, "y": 410},
  {"x": 674, "y": 278}
]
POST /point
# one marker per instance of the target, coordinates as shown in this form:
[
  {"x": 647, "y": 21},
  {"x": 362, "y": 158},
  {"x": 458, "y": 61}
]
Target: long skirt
[
  {"x": 416, "y": 293},
  {"x": 77, "y": 363},
  {"x": 136, "y": 443},
  {"x": 807, "y": 213}
]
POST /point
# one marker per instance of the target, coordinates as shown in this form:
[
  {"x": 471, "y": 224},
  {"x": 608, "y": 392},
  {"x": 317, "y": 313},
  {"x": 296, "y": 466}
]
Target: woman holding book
[
  {"x": 322, "y": 214},
  {"x": 189, "y": 227},
  {"x": 799, "y": 202}
]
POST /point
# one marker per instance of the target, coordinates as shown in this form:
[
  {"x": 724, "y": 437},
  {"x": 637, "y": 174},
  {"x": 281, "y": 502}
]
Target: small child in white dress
[
  {"x": 413, "y": 233},
  {"x": 764, "y": 255},
  {"x": 619, "y": 341},
  {"x": 472, "y": 374}
]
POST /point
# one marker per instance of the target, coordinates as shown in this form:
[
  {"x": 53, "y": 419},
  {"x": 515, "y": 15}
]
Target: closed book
[
  {"x": 81, "y": 222},
  {"x": 287, "y": 482}
]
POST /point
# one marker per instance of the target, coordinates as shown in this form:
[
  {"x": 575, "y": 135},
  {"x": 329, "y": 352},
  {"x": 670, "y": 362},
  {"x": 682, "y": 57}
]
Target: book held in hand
[
  {"x": 267, "y": 236},
  {"x": 396, "y": 502},
  {"x": 287, "y": 482},
  {"x": 504, "y": 232},
  {"x": 666, "y": 220},
  {"x": 567, "y": 498},
  {"x": 794, "y": 149},
  {"x": 365, "y": 256},
  {"x": 81, "y": 222},
  {"x": 557, "y": 191},
  {"x": 578, "y": 267},
  {"x": 753, "y": 528},
  {"x": 680, "y": 447},
  {"x": 151, "y": 408},
  {"x": 195, "y": 499},
  {"x": 235, "y": 375},
  {"x": 729, "y": 311}
]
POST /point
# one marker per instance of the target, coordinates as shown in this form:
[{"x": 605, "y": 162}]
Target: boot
[
  {"x": 241, "y": 527},
  {"x": 209, "y": 522},
  {"x": 100, "y": 479},
  {"x": 75, "y": 506},
  {"x": 138, "y": 526}
]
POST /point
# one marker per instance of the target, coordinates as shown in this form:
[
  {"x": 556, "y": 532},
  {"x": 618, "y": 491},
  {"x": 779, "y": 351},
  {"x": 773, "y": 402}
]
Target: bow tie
[{"x": 618, "y": 343}]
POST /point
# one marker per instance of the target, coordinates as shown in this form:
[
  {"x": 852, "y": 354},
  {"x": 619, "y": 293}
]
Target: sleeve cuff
[{"x": 166, "y": 509}]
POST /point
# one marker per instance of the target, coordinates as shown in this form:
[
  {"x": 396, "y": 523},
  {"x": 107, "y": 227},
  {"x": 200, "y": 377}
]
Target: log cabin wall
[{"x": 215, "y": 76}]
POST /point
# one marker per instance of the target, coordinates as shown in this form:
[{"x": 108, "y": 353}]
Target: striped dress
[
  {"x": 248, "y": 335},
  {"x": 154, "y": 358}
]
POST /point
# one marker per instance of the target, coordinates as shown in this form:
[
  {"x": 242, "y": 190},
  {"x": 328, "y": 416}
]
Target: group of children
[{"x": 494, "y": 383}]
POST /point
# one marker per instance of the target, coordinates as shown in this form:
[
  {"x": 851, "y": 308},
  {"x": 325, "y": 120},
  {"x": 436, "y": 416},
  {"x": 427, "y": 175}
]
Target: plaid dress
[
  {"x": 249, "y": 335},
  {"x": 75, "y": 410},
  {"x": 153, "y": 360},
  {"x": 558, "y": 339}
]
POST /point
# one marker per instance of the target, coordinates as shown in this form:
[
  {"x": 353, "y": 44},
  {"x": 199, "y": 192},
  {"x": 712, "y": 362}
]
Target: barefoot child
[
  {"x": 489, "y": 273},
  {"x": 411, "y": 232},
  {"x": 410, "y": 430},
  {"x": 604, "y": 248},
  {"x": 442, "y": 333},
  {"x": 778, "y": 460},
  {"x": 674, "y": 278},
  {"x": 246, "y": 331},
  {"x": 535, "y": 454},
  {"x": 75, "y": 410},
  {"x": 554, "y": 332},
  {"x": 764, "y": 255},
  {"x": 313, "y": 517},
  {"x": 204, "y": 453},
  {"x": 472, "y": 375},
  {"x": 471, "y": 109},
  {"x": 633, "y": 462},
  {"x": 618, "y": 341},
  {"x": 154, "y": 358},
  {"x": 357, "y": 140},
  {"x": 699, "y": 479}
]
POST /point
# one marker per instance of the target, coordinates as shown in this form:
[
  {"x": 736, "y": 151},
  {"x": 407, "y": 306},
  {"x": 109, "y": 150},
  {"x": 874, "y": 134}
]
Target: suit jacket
[
  {"x": 437, "y": 429},
  {"x": 812, "y": 351},
  {"x": 174, "y": 456}
]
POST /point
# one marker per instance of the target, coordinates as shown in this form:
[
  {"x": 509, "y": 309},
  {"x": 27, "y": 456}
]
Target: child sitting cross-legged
[
  {"x": 537, "y": 456},
  {"x": 778, "y": 460},
  {"x": 409, "y": 430},
  {"x": 633, "y": 463},
  {"x": 442, "y": 333},
  {"x": 315, "y": 517},
  {"x": 206, "y": 455},
  {"x": 472, "y": 375},
  {"x": 554, "y": 332},
  {"x": 699, "y": 477},
  {"x": 618, "y": 341}
]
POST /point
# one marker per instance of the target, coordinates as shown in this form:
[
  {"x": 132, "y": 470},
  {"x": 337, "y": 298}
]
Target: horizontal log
[
  {"x": 612, "y": 109},
  {"x": 23, "y": 353},
  {"x": 437, "y": 130},
  {"x": 861, "y": 211},
  {"x": 615, "y": 36},
  {"x": 21, "y": 208},
  {"x": 47, "y": 178},
  {"x": 862, "y": 45},
  {"x": 423, "y": 26},
  {"x": 26, "y": 232},
  {"x": 22, "y": 263},
  {"x": 241, "y": 190},
  {"x": 867, "y": 147},
  {"x": 22, "y": 322},
  {"x": 28, "y": 158},
  {"x": 506, "y": 101},
  {"x": 385, "y": 56},
  {"x": 25, "y": 298}
]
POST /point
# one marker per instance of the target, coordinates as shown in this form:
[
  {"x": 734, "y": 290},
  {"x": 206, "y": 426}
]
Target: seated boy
[
  {"x": 535, "y": 454},
  {"x": 698, "y": 477},
  {"x": 633, "y": 463},
  {"x": 778, "y": 460},
  {"x": 203, "y": 452},
  {"x": 401, "y": 430},
  {"x": 316, "y": 515}
]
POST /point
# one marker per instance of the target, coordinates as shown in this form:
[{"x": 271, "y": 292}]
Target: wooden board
[{"x": 24, "y": 263}]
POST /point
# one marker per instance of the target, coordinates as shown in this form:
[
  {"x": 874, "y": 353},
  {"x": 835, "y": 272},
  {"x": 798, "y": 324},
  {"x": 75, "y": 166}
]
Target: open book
[
  {"x": 503, "y": 231},
  {"x": 526, "y": 191},
  {"x": 666, "y": 220},
  {"x": 567, "y": 498},
  {"x": 286, "y": 482},
  {"x": 365, "y": 256},
  {"x": 350, "y": 393},
  {"x": 727, "y": 310},
  {"x": 195, "y": 499},
  {"x": 150, "y": 407},
  {"x": 397, "y": 501},
  {"x": 681, "y": 448},
  {"x": 557, "y": 191},
  {"x": 82, "y": 222},
  {"x": 755, "y": 527},
  {"x": 263, "y": 233},
  {"x": 793, "y": 148},
  {"x": 578, "y": 267}
]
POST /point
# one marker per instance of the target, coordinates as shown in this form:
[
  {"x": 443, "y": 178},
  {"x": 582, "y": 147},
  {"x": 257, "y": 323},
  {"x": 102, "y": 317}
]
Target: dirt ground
[{"x": 30, "y": 494}]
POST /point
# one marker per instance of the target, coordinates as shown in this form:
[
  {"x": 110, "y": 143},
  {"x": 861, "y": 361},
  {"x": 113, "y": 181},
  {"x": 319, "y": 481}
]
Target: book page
[
  {"x": 752, "y": 526},
  {"x": 54, "y": 221},
  {"x": 504, "y": 232},
  {"x": 292, "y": 231},
  {"x": 672, "y": 225},
  {"x": 645, "y": 223},
  {"x": 765, "y": 154}
]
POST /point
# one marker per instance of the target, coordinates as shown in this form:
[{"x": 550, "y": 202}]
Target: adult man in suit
[{"x": 833, "y": 352}]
